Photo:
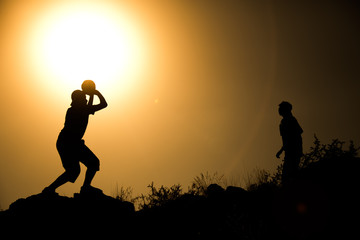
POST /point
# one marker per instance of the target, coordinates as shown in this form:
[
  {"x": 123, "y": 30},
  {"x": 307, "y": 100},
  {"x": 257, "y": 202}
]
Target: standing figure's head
[
  {"x": 285, "y": 109},
  {"x": 78, "y": 98}
]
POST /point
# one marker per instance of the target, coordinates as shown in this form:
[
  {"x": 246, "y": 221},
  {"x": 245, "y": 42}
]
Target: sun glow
[{"x": 88, "y": 41}]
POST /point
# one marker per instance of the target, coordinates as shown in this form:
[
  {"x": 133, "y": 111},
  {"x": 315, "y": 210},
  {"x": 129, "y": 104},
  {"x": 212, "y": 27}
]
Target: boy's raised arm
[
  {"x": 91, "y": 99},
  {"x": 102, "y": 104}
]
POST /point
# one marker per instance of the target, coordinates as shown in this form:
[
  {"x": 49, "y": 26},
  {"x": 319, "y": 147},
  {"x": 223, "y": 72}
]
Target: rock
[
  {"x": 214, "y": 190},
  {"x": 235, "y": 191},
  {"x": 81, "y": 215}
]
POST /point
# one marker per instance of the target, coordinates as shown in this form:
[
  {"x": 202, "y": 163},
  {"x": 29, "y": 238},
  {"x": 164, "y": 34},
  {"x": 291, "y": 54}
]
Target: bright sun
[{"x": 93, "y": 41}]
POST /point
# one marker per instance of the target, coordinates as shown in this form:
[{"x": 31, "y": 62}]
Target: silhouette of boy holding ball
[{"x": 71, "y": 146}]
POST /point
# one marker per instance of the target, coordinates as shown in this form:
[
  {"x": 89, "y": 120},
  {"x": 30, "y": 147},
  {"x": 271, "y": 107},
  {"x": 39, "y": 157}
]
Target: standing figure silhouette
[
  {"x": 290, "y": 132},
  {"x": 71, "y": 146}
]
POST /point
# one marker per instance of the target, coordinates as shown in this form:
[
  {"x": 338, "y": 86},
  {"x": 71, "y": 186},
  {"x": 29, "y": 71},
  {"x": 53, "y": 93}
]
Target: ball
[{"x": 88, "y": 86}]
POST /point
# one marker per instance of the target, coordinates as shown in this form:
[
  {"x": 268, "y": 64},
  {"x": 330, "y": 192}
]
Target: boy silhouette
[
  {"x": 71, "y": 146},
  {"x": 290, "y": 132}
]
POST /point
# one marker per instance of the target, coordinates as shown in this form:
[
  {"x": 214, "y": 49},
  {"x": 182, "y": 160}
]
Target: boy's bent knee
[
  {"x": 95, "y": 165},
  {"x": 73, "y": 174}
]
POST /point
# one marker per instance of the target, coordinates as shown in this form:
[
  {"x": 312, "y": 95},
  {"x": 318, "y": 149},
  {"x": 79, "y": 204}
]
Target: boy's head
[
  {"x": 285, "y": 108},
  {"x": 78, "y": 98}
]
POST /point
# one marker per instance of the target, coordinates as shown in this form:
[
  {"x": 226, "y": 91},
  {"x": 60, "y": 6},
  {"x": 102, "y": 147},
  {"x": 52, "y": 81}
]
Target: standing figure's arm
[{"x": 279, "y": 152}]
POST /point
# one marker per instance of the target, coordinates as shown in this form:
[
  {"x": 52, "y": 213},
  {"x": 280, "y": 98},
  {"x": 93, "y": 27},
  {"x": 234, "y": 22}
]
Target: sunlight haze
[
  {"x": 191, "y": 86},
  {"x": 71, "y": 41}
]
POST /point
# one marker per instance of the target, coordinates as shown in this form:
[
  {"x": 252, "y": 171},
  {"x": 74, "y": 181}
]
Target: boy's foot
[
  {"x": 90, "y": 190},
  {"x": 49, "y": 192}
]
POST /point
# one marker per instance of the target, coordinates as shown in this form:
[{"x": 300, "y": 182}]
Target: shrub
[
  {"x": 200, "y": 183},
  {"x": 328, "y": 151},
  {"x": 318, "y": 152},
  {"x": 124, "y": 194},
  {"x": 159, "y": 197}
]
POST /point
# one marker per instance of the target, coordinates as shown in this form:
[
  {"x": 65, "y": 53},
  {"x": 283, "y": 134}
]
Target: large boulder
[{"x": 82, "y": 215}]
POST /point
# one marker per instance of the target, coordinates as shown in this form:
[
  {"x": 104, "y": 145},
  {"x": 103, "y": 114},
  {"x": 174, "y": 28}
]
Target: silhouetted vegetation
[
  {"x": 318, "y": 153},
  {"x": 200, "y": 183},
  {"x": 124, "y": 194},
  {"x": 318, "y": 204},
  {"x": 324, "y": 152},
  {"x": 251, "y": 182},
  {"x": 158, "y": 197}
]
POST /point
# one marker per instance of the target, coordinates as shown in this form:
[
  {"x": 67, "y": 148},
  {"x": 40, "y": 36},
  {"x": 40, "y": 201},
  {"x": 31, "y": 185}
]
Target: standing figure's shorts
[{"x": 74, "y": 152}]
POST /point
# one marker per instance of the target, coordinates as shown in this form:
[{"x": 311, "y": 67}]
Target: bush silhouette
[
  {"x": 318, "y": 153},
  {"x": 124, "y": 194},
  {"x": 323, "y": 152},
  {"x": 159, "y": 197},
  {"x": 200, "y": 183}
]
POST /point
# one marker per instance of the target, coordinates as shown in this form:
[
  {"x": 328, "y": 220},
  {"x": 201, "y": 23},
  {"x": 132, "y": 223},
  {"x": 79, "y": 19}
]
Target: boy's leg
[
  {"x": 89, "y": 159},
  {"x": 70, "y": 175},
  {"x": 62, "y": 179},
  {"x": 68, "y": 155},
  {"x": 87, "y": 188},
  {"x": 90, "y": 173}
]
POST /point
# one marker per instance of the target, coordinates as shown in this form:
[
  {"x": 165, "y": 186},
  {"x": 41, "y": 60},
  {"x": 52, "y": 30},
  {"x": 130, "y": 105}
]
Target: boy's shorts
[{"x": 72, "y": 153}]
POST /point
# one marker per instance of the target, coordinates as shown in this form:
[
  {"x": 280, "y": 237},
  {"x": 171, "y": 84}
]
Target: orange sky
[{"x": 202, "y": 93}]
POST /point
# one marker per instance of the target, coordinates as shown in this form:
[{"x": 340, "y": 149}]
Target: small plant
[
  {"x": 200, "y": 183},
  {"x": 124, "y": 194},
  {"x": 159, "y": 197},
  {"x": 257, "y": 177}
]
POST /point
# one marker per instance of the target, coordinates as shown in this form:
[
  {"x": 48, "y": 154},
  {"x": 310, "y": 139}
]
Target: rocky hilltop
[
  {"x": 321, "y": 203},
  {"x": 82, "y": 215}
]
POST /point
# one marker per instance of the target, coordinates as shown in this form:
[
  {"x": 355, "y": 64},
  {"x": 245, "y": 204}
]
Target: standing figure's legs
[{"x": 290, "y": 168}]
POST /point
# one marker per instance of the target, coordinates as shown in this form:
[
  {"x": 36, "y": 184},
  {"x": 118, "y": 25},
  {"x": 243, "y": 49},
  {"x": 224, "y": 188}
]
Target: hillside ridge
[{"x": 319, "y": 203}]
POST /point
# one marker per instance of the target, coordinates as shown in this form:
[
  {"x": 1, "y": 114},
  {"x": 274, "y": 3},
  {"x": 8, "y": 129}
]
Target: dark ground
[{"x": 321, "y": 203}]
